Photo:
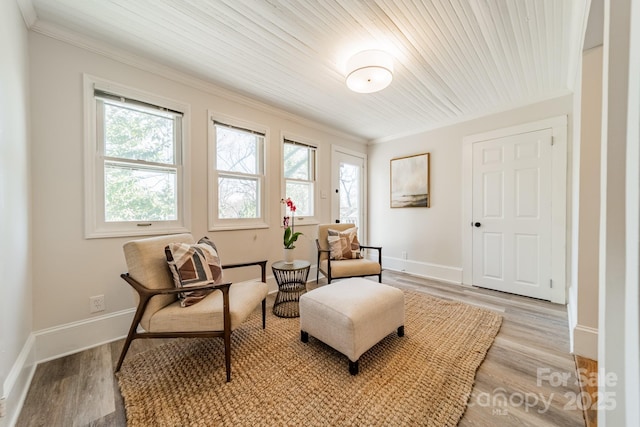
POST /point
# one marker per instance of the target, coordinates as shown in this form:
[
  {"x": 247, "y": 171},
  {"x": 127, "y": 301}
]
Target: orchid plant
[{"x": 290, "y": 236}]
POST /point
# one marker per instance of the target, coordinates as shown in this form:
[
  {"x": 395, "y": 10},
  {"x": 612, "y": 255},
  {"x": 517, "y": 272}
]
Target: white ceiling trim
[
  {"x": 28, "y": 12},
  {"x": 581, "y": 21}
]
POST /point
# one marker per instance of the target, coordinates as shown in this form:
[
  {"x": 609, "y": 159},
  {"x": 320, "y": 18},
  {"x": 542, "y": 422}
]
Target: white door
[
  {"x": 512, "y": 214},
  {"x": 348, "y": 188}
]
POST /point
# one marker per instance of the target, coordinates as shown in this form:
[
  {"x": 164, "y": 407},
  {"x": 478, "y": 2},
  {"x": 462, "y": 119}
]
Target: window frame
[
  {"x": 94, "y": 166},
  {"x": 216, "y": 223},
  {"x": 289, "y": 137}
]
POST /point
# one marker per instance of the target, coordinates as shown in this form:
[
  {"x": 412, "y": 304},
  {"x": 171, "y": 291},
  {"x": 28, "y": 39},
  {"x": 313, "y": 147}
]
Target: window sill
[
  {"x": 104, "y": 234},
  {"x": 231, "y": 227}
]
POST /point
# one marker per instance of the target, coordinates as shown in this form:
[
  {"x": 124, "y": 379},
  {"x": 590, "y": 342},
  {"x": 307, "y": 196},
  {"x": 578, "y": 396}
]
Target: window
[
  {"x": 135, "y": 182},
  {"x": 299, "y": 172},
  {"x": 237, "y": 185}
]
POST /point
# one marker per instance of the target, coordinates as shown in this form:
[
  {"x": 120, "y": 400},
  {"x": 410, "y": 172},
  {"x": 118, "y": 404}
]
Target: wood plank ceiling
[{"x": 453, "y": 59}]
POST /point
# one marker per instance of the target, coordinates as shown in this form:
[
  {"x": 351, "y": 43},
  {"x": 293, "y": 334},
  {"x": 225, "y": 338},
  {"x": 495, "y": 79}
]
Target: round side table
[{"x": 292, "y": 283}]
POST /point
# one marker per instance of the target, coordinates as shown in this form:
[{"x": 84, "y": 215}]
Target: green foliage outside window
[
  {"x": 139, "y": 172},
  {"x": 299, "y": 164},
  {"x": 239, "y": 166}
]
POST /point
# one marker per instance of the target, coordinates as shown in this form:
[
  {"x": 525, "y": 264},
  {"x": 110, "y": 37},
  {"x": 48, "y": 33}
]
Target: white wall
[
  {"x": 68, "y": 268},
  {"x": 15, "y": 218},
  {"x": 632, "y": 247},
  {"x": 619, "y": 315},
  {"x": 432, "y": 237},
  {"x": 586, "y": 220},
  {"x": 572, "y": 292}
]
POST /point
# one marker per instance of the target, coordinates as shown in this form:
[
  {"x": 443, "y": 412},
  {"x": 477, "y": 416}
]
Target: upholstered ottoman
[{"x": 351, "y": 316}]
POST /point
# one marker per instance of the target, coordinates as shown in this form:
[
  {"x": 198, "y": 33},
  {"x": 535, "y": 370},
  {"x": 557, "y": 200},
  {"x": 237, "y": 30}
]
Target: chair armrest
[
  {"x": 379, "y": 248},
  {"x": 262, "y": 264},
  {"x": 147, "y": 292},
  {"x": 211, "y": 285},
  {"x": 320, "y": 250},
  {"x": 376, "y": 248}
]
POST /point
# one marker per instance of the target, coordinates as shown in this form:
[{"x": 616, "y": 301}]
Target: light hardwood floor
[{"x": 527, "y": 379}]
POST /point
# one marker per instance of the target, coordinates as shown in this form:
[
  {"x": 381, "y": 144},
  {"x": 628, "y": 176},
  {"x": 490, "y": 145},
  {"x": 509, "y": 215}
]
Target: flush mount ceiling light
[{"x": 369, "y": 71}]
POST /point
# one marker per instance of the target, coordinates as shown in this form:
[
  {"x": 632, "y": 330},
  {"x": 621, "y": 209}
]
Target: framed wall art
[{"x": 410, "y": 182}]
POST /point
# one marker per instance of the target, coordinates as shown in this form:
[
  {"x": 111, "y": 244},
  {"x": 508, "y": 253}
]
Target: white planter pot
[{"x": 288, "y": 256}]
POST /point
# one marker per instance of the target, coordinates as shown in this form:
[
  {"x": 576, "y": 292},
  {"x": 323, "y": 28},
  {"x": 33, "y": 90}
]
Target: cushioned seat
[
  {"x": 207, "y": 314},
  {"x": 352, "y": 316},
  {"x": 351, "y": 267}
]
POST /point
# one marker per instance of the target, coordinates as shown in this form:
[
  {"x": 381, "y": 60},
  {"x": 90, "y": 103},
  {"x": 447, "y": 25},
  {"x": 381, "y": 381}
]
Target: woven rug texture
[{"x": 421, "y": 379}]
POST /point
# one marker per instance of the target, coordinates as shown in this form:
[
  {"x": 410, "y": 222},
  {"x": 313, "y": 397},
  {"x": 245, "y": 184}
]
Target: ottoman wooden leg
[
  {"x": 304, "y": 336},
  {"x": 353, "y": 367},
  {"x": 401, "y": 331}
]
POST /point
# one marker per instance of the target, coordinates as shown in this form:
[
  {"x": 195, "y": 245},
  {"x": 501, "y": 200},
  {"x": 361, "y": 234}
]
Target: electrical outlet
[
  {"x": 404, "y": 255},
  {"x": 3, "y": 407},
  {"x": 96, "y": 303}
]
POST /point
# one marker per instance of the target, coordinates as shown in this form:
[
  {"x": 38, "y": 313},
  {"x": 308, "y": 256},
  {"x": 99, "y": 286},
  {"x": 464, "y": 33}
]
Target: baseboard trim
[
  {"x": 572, "y": 314},
  {"x": 442, "y": 273},
  {"x": 62, "y": 340},
  {"x": 16, "y": 385},
  {"x": 585, "y": 342},
  {"x": 70, "y": 338}
]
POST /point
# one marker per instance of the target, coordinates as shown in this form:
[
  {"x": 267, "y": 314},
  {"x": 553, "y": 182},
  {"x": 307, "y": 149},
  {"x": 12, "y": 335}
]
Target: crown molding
[
  {"x": 28, "y": 12},
  {"x": 469, "y": 117},
  {"x": 123, "y": 56}
]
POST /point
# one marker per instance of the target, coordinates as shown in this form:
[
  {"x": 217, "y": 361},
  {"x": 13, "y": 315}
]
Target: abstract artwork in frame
[{"x": 410, "y": 182}]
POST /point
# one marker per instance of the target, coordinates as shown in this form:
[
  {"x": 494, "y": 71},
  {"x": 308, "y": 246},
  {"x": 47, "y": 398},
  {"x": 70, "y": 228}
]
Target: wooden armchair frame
[
  {"x": 145, "y": 295},
  {"x": 327, "y": 273}
]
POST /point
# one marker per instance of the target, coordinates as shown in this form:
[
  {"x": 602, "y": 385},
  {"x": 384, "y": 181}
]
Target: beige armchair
[
  {"x": 159, "y": 312},
  {"x": 339, "y": 269}
]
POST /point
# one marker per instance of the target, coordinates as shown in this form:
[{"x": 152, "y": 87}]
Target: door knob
[
  {"x": 337, "y": 221},
  {"x": 477, "y": 224}
]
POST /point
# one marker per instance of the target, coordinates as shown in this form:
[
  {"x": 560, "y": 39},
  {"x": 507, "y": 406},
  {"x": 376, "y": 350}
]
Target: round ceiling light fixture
[{"x": 369, "y": 71}]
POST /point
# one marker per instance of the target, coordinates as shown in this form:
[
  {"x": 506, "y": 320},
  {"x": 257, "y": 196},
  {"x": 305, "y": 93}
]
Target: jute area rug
[{"x": 423, "y": 378}]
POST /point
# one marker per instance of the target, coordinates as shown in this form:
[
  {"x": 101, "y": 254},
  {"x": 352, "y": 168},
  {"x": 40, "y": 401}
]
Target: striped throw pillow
[{"x": 193, "y": 265}]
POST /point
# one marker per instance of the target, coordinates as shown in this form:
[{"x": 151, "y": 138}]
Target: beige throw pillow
[{"x": 344, "y": 244}]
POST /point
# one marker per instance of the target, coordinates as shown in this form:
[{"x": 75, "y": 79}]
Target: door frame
[
  {"x": 363, "y": 232},
  {"x": 559, "y": 231}
]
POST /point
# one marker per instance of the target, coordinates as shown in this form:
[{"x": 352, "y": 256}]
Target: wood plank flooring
[
  {"x": 527, "y": 379},
  {"x": 588, "y": 376}
]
